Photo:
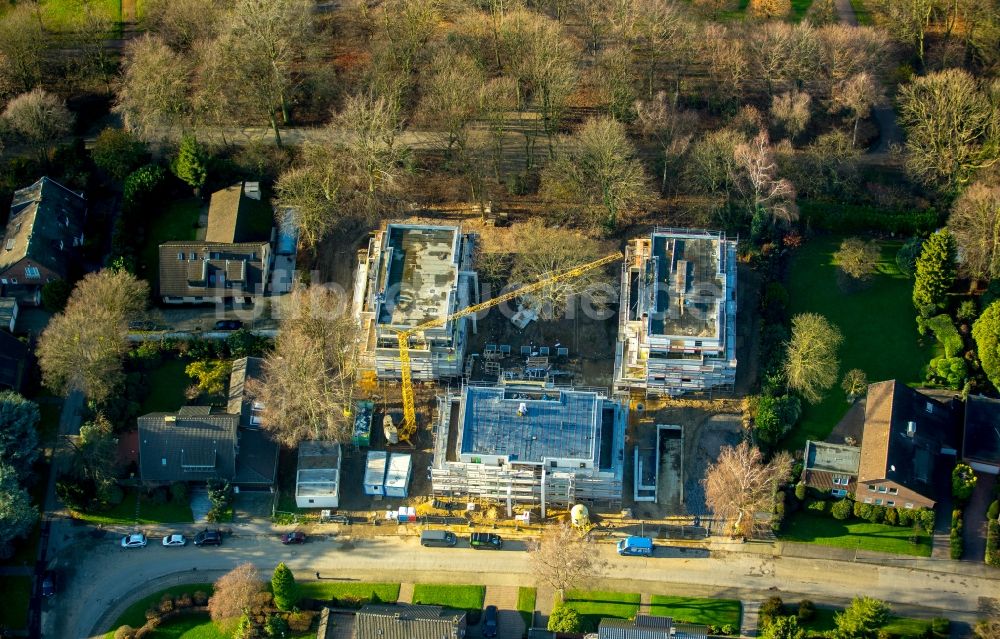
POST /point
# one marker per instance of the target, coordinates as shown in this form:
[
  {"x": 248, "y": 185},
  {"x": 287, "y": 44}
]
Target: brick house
[{"x": 43, "y": 236}]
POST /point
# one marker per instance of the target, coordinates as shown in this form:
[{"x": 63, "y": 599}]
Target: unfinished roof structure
[
  {"x": 526, "y": 443},
  {"x": 677, "y": 321},
  {"x": 409, "y": 275},
  {"x": 831, "y": 467},
  {"x": 317, "y": 479}
]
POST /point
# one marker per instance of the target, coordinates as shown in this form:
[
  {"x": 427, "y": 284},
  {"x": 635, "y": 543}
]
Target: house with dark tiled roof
[
  {"x": 232, "y": 263},
  {"x": 14, "y": 360},
  {"x": 905, "y": 435},
  {"x": 831, "y": 468},
  {"x": 648, "y": 627},
  {"x": 44, "y": 234},
  {"x": 981, "y": 440},
  {"x": 198, "y": 443},
  {"x": 408, "y": 621}
]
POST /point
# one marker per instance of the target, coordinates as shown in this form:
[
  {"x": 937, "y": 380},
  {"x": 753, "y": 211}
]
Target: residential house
[
  {"x": 317, "y": 478},
  {"x": 198, "y": 443},
  {"x": 410, "y": 275},
  {"x": 905, "y": 435},
  {"x": 257, "y": 462},
  {"x": 530, "y": 444},
  {"x": 231, "y": 265},
  {"x": 831, "y": 468},
  {"x": 677, "y": 317},
  {"x": 648, "y": 627},
  {"x": 8, "y": 313},
  {"x": 43, "y": 236},
  {"x": 14, "y": 359},
  {"x": 981, "y": 441},
  {"x": 408, "y": 621}
]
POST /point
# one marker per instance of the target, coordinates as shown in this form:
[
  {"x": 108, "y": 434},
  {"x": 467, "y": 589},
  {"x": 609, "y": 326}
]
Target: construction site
[{"x": 524, "y": 419}]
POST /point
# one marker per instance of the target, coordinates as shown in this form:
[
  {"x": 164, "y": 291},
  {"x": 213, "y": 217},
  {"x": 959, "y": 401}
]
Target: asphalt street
[{"x": 100, "y": 578}]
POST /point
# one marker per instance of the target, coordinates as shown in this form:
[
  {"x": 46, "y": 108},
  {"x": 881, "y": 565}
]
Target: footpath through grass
[
  {"x": 861, "y": 535},
  {"x": 350, "y": 592},
  {"x": 460, "y": 597},
  {"x": 593, "y": 605},
  {"x": 876, "y": 319},
  {"x": 697, "y": 610}
]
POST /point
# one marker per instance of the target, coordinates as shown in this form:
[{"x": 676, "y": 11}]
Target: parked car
[
  {"x": 48, "y": 584},
  {"x": 293, "y": 538},
  {"x": 143, "y": 325},
  {"x": 490, "y": 622},
  {"x": 485, "y": 541},
  {"x": 175, "y": 539},
  {"x": 134, "y": 540},
  {"x": 228, "y": 325},
  {"x": 208, "y": 538},
  {"x": 338, "y": 519},
  {"x": 441, "y": 538}
]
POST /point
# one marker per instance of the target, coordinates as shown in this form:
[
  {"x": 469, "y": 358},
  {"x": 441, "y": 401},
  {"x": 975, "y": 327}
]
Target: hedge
[
  {"x": 955, "y": 539},
  {"x": 993, "y": 544},
  {"x": 852, "y": 218}
]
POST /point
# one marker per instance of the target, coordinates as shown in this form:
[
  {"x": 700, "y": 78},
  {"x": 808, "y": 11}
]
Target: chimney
[{"x": 911, "y": 429}]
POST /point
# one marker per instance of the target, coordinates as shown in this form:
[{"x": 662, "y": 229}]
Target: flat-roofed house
[
  {"x": 409, "y": 275},
  {"x": 831, "y": 468},
  {"x": 677, "y": 319}
]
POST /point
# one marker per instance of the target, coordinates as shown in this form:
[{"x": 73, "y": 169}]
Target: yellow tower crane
[{"x": 409, "y": 426}]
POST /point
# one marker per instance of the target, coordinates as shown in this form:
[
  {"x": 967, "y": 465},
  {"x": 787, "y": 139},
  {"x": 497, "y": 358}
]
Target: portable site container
[
  {"x": 397, "y": 478},
  {"x": 375, "y": 472}
]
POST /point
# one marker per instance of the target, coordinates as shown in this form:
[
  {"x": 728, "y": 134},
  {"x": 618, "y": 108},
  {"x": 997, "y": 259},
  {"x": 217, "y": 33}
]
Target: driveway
[
  {"x": 975, "y": 517},
  {"x": 105, "y": 578}
]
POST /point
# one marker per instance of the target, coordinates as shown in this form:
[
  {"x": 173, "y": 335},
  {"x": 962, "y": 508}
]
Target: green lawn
[
  {"x": 877, "y": 321},
  {"x": 149, "y": 512},
  {"x": 167, "y": 383},
  {"x": 593, "y": 605},
  {"x": 906, "y": 627},
  {"x": 822, "y": 620},
  {"x": 827, "y": 531},
  {"x": 861, "y": 12},
  {"x": 450, "y": 596},
  {"x": 66, "y": 15},
  {"x": 699, "y": 610},
  {"x": 361, "y": 592},
  {"x": 135, "y": 615},
  {"x": 177, "y": 221},
  {"x": 526, "y": 604},
  {"x": 193, "y": 626},
  {"x": 16, "y": 596}
]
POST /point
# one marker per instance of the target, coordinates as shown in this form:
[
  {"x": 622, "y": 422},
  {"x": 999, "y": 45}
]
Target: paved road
[{"x": 104, "y": 578}]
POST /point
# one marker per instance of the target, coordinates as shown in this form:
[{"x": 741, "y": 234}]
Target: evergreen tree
[
  {"x": 986, "y": 332},
  {"x": 18, "y": 437},
  {"x": 935, "y": 273},
  {"x": 191, "y": 164},
  {"x": 284, "y": 588},
  {"x": 17, "y": 514}
]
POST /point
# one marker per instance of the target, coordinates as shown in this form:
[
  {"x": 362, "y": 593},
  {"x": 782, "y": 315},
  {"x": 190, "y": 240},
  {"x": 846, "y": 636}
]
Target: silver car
[
  {"x": 175, "y": 539},
  {"x": 134, "y": 540}
]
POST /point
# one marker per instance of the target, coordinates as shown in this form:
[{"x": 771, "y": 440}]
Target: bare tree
[
  {"x": 497, "y": 98},
  {"x": 235, "y": 595},
  {"x": 661, "y": 37},
  {"x": 791, "y": 110},
  {"x": 757, "y": 181},
  {"x": 907, "y": 20},
  {"x": 181, "y": 23},
  {"x": 769, "y": 9},
  {"x": 846, "y": 51},
  {"x": 811, "y": 361},
  {"x": 740, "y": 486},
  {"x": 153, "y": 92},
  {"x": 952, "y": 124},
  {"x": 543, "y": 251},
  {"x": 313, "y": 193},
  {"x": 726, "y": 59},
  {"x": 82, "y": 347},
  {"x": 38, "y": 118},
  {"x": 857, "y": 258},
  {"x": 564, "y": 558},
  {"x": 597, "y": 170},
  {"x": 783, "y": 56},
  {"x": 316, "y": 354},
  {"x": 450, "y": 95},
  {"x": 855, "y": 384},
  {"x": 22, "y": 47},
  {"x": 987, "y": 629},
  {"x": 975, "y": 223},
  {"x": 671, "y": 127},
  {"x": 857, "y": 95}
]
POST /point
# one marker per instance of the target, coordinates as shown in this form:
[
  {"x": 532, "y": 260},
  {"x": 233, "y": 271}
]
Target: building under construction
[
  {"x": 530, "y": 444},
  {"x": 677, "y": 319},
  {"x": 409, "y": 275}
]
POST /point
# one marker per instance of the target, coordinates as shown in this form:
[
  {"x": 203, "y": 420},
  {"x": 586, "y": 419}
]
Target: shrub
[
  {"x": 55, "y": 294},
  {"x": 994, "y": 510},
  {"x": 892, "y": 516},
  {"x": 956, "y": 544},
  {"x": 800, "y": 491},
  {"x": 200, "y": 598},
  {"x": 940, "y": 627},
  {"x": 183, "y": 600},
  {"x": 876, "y": 514},
  {"x": 771, "y": 609},
  {"x": 125, "y": 632},
  {"x": 166, "y": 604},
  {"x": 993, "y": 543},
  {"x": 862, "y": 510},
  {"x": 178, "y": 491},
  {"x": 117, "y": 152},
  {"x": 818, "y": 506},
  {"x": 300, "y": 621},
  {"x": 842, "y": 509},
  {"x": 141, "y": 185},
  {"x": 157, "y": 495},
  {"x": 153, "y": 615},
  {"x": 807, "y": 610},
  {"x": 727, "y": 629},
  {"x": 905, "y": 516},
  {"x": 564, "y": 619},
  {"x": 963, "y": 482},
  {"x": 276, "y": 626},
  {"x": 926, "y": 518}
]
